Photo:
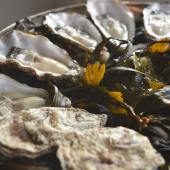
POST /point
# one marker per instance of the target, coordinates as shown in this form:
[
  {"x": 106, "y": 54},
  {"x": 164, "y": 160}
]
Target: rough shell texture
[
  {"x": 32, "y": 133},
  {"x": 119, "y": 148}
]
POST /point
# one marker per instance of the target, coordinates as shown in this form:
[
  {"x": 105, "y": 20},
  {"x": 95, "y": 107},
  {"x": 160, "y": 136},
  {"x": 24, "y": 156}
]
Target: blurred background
[{"x": 13, "y": 10}]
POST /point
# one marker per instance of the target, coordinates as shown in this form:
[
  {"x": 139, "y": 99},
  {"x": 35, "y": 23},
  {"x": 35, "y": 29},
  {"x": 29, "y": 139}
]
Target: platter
[{"x": 60, "y": 87}]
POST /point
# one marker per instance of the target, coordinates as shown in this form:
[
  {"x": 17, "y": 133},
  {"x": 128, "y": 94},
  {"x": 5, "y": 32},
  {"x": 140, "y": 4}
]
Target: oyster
[
  {"x": 112, "y": 18},
  {"x": 157, "y": 21},
  {"x": 108, "y": 148},
  {"x": 73, "y": 32},
  {"x": 22, "y": 96},
  {"x": 36, "y": 43},
  {"x": 34, "y": 132},
  {"x": 75, "y": 27},
  {"x": 41, "y": 64},
  {"x": 36, "y": 54}
]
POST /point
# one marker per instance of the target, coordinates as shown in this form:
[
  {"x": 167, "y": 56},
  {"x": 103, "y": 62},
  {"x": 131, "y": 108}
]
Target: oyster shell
[
  {"x": 108, "y": 148},
  {"x": 36, "y": 43},
  {"x": 41, "y": 64},
  {"x": 73, "y": 32},
  {"x": 112, "y": 18},
  {"x": 35, "y": 54},
  {"x": 26, "y": 97},
  {"x": 32, "y": 133},
  {"x": 157, "y": 21},
  {"x": 75, "y": 27}
]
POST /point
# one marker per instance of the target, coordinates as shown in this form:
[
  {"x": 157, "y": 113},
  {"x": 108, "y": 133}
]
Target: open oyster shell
[
  {"x": 36, "y": 54},
  {"x": 108, "y": 148},
  {"x": 36, "y": 43},
  {"x": 75, "y": 27},
  {"x": 157, "y": 21},
  {"x": 32, "y": 133},
  {"x": 73, "y": 32},
  {"x": 42, "y": 65},
  {"x": 112, "y": 18}
]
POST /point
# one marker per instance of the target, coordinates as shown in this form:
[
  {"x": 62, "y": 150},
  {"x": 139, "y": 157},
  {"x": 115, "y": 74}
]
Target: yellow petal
[
  {"x": 116, "y": 109},
  {"x": 87, "y": 75},
  {"x": 101, "y": 72},
  {"x": 94, "y": 73},
  {"x": 159, "y": 47},
  {"x": 156, "y": 85},
  {"x": 96, "y": 69},
  {"x": 116, "y": 95}
]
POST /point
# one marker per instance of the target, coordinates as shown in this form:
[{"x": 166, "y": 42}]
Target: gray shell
[
  {"x": 108, "y": 148},
  {"x": 32, "y": 133}
]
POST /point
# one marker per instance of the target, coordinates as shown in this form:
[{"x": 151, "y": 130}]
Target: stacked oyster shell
[{"x": 36, "y": 118}]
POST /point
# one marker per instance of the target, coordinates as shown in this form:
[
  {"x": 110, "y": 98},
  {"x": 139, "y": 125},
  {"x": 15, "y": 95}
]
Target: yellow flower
[
  {"x": 116, "y": 95},
  {"x": 155, "y": 85},
  {"x": 159, "y": 47},
  {"x": 117, "y": 109},
  {"x": 119, "y": 97},
  {"x": 95, "y": 73}
]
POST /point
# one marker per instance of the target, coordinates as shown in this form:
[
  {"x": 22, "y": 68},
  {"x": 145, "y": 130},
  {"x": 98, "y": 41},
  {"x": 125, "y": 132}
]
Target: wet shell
[
  {"x": 73, "y": 32},
  {"x": 75, "y": 27},
  {"x": 36, "y": 55},
  {"x": 112, "y": 18},
  {"x": 27, "y": 97},
  {"x": 157, "y": 21}
]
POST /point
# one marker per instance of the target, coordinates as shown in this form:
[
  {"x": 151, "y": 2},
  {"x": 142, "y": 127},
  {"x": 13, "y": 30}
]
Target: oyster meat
[
  {"x": 34, "y": 132},
  {"x": 112, "y": 18},
  {"x": 75, "y": 27},
  {"x": 157, "y": 21},
  {"x": 36, "y": 54},
  {"x": 37, "y": 43},
  {"x": 41, "y": 64},
  {"x": 108, "y": 148}
]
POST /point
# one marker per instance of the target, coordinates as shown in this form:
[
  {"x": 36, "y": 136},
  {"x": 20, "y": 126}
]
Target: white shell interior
[
  {"x": 157, "y": 21},
  {"x": 41, "y": 64},
  {"x": 75, "y": 27},
  {"x": 12, "y": 89},
  {"x": 36, "y": 43},
  {"x": 112, "y": 18}
]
